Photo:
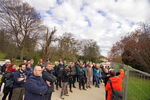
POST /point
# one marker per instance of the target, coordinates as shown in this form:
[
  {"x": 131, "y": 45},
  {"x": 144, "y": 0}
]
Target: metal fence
[{"x": 136, "y": 84}]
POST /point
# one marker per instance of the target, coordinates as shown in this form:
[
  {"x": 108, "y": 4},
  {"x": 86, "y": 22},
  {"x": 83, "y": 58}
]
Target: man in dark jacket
[
  {"x": 35, "y": 87},
  {"x": 82, "y": 76},
  {"x": 59, "y": 71},
  {"x": 47, "y": 75},
  {"x": 65, "y": 78},
  {"x": 19, "y": 80},
  {"x": 29, "y": 70}
]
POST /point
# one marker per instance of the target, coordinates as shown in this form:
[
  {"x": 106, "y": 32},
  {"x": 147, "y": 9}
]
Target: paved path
[{"x": 90, "y": 94}]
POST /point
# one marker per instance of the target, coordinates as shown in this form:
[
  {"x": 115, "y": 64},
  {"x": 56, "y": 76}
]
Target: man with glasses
[{"x": 35, "y": 87}]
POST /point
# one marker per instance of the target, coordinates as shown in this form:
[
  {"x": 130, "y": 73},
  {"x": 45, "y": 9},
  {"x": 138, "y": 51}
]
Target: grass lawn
[
  {"x": 138, "y": 88},
  {"x": 138, "y": 84}
]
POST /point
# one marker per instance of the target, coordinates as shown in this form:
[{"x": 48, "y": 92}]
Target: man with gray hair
[{"x": 35, "y": 87}]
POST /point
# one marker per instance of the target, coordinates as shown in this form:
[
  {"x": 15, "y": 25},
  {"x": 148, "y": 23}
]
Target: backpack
[
  {"x": 116, "y": 95},
  {"x": 8, "y": 79}
]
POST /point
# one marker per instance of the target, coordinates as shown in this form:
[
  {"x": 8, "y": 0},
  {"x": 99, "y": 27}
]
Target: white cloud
[{"x": 101, "y": 20}]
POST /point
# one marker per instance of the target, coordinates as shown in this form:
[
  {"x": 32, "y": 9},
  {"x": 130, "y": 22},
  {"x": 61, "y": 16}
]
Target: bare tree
[
  {"x": 48, "y": 38},
  {"x": 68, "y": 47},
  {"x": 21, "y": 22}
]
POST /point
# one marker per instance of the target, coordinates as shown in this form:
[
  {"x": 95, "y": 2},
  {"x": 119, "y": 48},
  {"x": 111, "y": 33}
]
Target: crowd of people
[{"x": 37, "y": 82}]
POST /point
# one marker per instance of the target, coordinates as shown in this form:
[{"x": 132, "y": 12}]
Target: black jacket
[
  {"x": 65, "y": 75},
  {"x": 59, "y": 70},
  {"x": 48, "y": 76},
  {"x": 8, "y": 79}
]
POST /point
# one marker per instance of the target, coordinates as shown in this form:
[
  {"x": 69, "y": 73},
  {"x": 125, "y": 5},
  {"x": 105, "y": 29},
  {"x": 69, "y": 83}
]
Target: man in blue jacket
[
  {"x": 20, "y": 77},
  {"x": 35, "y": 87}
]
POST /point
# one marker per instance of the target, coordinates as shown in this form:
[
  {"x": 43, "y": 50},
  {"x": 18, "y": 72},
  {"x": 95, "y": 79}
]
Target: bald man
[{"x": 35, "y": 87}]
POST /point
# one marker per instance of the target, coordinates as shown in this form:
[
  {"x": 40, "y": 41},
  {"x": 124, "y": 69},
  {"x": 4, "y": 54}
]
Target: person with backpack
[
  {"x": 8, "y": 80},
  {"x": 114, "y": 85}
]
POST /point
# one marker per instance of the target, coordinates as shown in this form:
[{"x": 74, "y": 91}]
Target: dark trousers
[
  {"x": 70, "y": 83},
  {"x": 106, "y": 95},
  {"x": 58, "y": 83},
  {"x": 77, "y": 78},
  {"x": 81, "y": 82},
  {"x": 6, "y": 93},
  {"x": 74, "y": 80},
  {"x": 94, "y": 80},
  {"x": 49, "y": 96}
]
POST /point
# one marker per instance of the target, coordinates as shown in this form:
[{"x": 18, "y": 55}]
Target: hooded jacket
[{"x": 116, "y": 84}]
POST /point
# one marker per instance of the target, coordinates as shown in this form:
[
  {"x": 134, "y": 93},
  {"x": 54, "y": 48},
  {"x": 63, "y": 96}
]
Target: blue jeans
[{"x": 97, "y": 81}]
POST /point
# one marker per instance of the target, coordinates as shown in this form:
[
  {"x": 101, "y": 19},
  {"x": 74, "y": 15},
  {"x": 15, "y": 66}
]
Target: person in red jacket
[
  {"x": 8, "y": 80},
  {"x": 116, "y": 82}
]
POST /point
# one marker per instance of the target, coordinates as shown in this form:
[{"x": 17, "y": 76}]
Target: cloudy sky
[{"x": 105, "y": 21}]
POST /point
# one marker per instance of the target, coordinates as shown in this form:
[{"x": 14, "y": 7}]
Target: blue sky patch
[
  {"x": 49, "y": 12},
  {"x": 131, "y": 24},
  {"x": 40, "y": 15},
  {"x": 59, "y": 2},
  {"x": 83, "y": 6},
  {"x": 101, "y": 12},
  {"x": 89, "y": 22},
  {"x": 59, "y": 21}
]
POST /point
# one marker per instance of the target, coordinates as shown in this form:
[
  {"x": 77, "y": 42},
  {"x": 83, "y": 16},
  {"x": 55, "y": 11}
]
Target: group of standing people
[
  {"x": 85, "y": 74},
  {"x": 38, "y": 82}
]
